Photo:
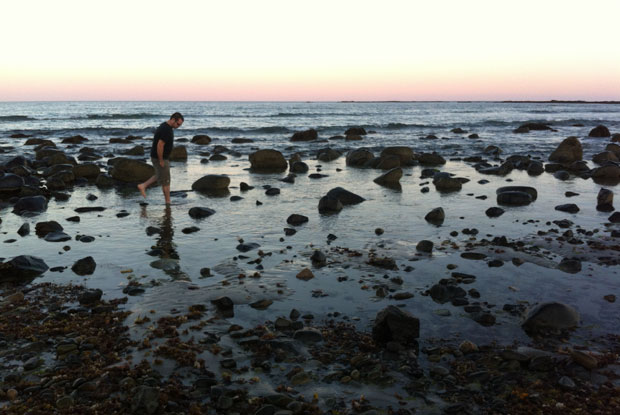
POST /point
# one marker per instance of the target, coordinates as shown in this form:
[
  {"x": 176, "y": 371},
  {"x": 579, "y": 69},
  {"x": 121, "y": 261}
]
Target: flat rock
[{"x": 551, "y": 315}]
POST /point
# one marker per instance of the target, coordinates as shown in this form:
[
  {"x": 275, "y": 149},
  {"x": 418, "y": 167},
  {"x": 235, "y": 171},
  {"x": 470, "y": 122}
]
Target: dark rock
[
  {"x": 211, "y": 182},
  {"x": 327, "y": 154},
  {"x": 30, "y": 205},
  {"x": 22, "y": 268},
  {"x": 568, "y": 151},
  {"x": 535, "y": 168},
  {"x": 494, "y": 212},
  {"x": 599, "y": 131},
  {"x": 308, "y": 135},
  {"x": 84, "y": 266},
  {"x": 272, "y": 191},
  {"x": 267, "y": 161},
  {"x": 444, "y": 183},
  {"x": 604, "y": 200},
  {"x": 244, "y": 187},
  {"x": 435, "y": 216},
  {"x": 200, "y": 212},
  {"x": 89, "y": 297},
  {"x": 318, "y": 258},
  {"x": 359, "y": 158},
  {"x": 355, "y": 131},
  {"x": 178, "y": 153},
  {"x": 10, "y": 183},
  {"x": 568, "y": 207},
  {"x": 394, "y": 324},
  {"x": 431, "y": 159},
  {"x": 296, "y": 220},
  {"x": 561, "y": 175},
  {"x": 614, "y": 218},
  {"x": 514, "y": 198},
  {"x": 308, "y": 335},
  {"x": 201, "y": 139},
  {"x": 551, "y": 315},
  {"x": 405, "y": 154},
  {"x": 24, "y": 229},
  {"x": 87, "y": 209},
  {"x": 390, "y": 178},
  {"x": 328, "y": 205},
  {"x": 131, "y": 171},
  {"x": 570, "y": 265},
  {"x": 43, "y": 228},
  {"x": 425, "y": 246},
  {"x": 344, "y": 196},
  {"x": 299, "y": 167},
  {"x": 247, "y": 247},
  {"x": 190, "y": 229}
]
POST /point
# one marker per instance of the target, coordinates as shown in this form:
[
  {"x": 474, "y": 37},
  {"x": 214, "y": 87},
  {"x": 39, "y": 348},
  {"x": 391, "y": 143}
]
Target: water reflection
[{"x": 166, "y": 248}]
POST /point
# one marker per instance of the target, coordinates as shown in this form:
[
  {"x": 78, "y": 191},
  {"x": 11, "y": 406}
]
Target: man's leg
[
  {"x": 166, "y": 189},
  {"x": 143, "y": 186}
]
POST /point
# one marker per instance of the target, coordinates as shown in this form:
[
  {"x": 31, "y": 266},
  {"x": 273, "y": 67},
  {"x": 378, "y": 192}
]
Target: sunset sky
[{"x": 318, "y": 50}]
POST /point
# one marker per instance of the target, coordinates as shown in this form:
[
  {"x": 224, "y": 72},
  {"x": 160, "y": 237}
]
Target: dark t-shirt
[{"x": 165, "y": 133}]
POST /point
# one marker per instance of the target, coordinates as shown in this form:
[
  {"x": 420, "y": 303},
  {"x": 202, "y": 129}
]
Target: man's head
[{"x": 176, "y": 120}]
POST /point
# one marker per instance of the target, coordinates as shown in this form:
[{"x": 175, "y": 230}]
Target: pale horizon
[{"x": 275, "y": 50}]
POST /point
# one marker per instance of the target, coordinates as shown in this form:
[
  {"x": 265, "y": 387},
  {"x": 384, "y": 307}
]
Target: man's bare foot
[{"x": 141, "y": 189}]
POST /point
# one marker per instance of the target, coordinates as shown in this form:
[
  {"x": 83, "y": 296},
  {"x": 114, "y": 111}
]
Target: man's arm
[{"x": 160, "y": 152}]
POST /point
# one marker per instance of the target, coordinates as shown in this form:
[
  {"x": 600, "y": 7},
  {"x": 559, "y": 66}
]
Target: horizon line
[{"x": 507, "y": 101}]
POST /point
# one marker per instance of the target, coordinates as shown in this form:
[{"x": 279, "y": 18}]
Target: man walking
[{"x": 160, "y": 155}]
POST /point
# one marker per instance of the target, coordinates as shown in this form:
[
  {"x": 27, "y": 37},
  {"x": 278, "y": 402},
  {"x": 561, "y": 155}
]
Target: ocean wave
[
  {"x": 138, "y": 116},
  {"x": 9, "y": 118}
]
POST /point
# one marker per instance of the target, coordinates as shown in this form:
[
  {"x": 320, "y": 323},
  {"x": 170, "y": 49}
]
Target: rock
[
  {"x": 178, "y": 153},
  {"x": 344, "y": 196},
  {"x": 394, "y": 324},
  {"x": 272, "y": 191},
  {"x": 353, "y": 137},
  {"x": 514, "y": 198},
  {"x": 22, "y": 268},
  {"x": 30, "y": 205},
  {"x": 57, "y": 237},
  {"x": 201, "y": 139},
  {"x": 614, "y": 218},
  {"x": 390, "y": 178},
  {"x": 308, "y": 335},
  {"x": 299, "y": 167},
  {"x": 103, "y": 181},
  {"x": 551, "y": 315},
  {"x": 405, "y": 154},
  {"x": 444, "y": 183},
  {"x": 484, "y": 318},
  {"x": 268, "y": 161},
  {"x": 494, "y": 212},
  {"x": 431, "y": 159},
  {"x": 609, "y": 172},
  {"x": 131, "y": 171},
  {"x": 561, "y": 175},
  {"x": 218, "y": 157},
  {"x": 605, "y": 200},
  {"x": 305, "y": 275},
  {"x": 318, "y": 258},
  {"x": 244, "y": 187},
  {"x": 492, "y": 150},
  {"x": 241, "y": 140},
  {"x": 24, "y": 229},
  {"x": 467, "y": 347},
  {"x": 224, "y": 304},
  {"x": 135, "y": 151},
  {"x": 446, "y": 290},
  {"x": 359, "y": 158},
  {"x": 211, "y": 182},
  {"x": 355, "y": 131},
  {"x": 533, "y": 126},
  {"x": 76, "y": 139},
  {"x": 568, "y": 151},
  {"x": 386, "y": 162},
  {"x": 435, "y": 216},
  {"x": 261, "y": 304},
  {"x": 425, "y": 246},
  {"x": 570, "y": 265},
  {"x": 535, "y": 168},
  {"x": 604, "y": 157},
  {"x": 10, "y": 183},
  {"x": 145, "y": 399},
  {"x": 308, "y": 135},
  {"x": 296, "y": 220},
  {"x": 245, "y": 247},
  {"x": 200, "y": 212},
  {"x": 84, "y": 266},
  {"x": 568, "y": 207},
  {"x": 43, "y": 228},
  {"x": 327, "y": 154},
  {"x": 89, "y": 297},
  {"x": 599, "y": 131},
  {"x": 584, "y": 359}
]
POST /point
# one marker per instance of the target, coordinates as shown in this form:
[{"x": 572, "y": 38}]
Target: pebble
[{"x": 11, "y": 394}]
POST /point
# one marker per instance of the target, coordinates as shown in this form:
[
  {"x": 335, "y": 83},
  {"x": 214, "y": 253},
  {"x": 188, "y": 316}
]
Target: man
[{"x": 160, "y": 155}]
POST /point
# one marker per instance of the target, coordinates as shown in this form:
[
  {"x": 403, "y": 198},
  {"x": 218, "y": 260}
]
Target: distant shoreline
[{"x": 553, "y": 101}]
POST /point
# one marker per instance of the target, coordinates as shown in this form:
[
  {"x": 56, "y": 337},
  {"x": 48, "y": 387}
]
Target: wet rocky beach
[{"x": 327, "y": 274}]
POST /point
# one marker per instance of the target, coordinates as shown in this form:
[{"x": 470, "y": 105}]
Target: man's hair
[{"x": 177, "y": 116}]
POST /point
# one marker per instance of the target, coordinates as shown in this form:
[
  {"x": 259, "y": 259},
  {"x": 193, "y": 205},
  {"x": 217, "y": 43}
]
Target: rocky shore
[{"x": 246, "y": 344}]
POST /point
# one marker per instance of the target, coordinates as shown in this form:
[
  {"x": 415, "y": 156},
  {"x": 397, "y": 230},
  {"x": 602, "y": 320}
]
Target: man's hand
[{"x": 161, "y": 162}]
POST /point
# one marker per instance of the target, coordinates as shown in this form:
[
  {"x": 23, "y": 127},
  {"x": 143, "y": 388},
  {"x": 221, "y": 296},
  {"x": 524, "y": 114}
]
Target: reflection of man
[
  {"x": 160, "y": 155},
  {"x": 165, "y": 237}
]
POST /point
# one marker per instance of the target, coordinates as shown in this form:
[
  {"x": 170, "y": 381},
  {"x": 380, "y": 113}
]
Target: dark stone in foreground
[
  {"x": 84, "y": 266},
  {"x": 551, "y": 315},
  {"x": 329, "y": 205},
  {"x": 296, "y": 220},
  {"x": 394, "y": 324},
  {"x": 90, "y": 296},
  {"x": 30, "y": 204},
  {"x": 599, "y": 131},
  {"x": 89, "y": 209},
  {"x": 247, "y": 247},
  {"x": 22, "y": 268},
  {"x": 569, "y": 208},
  {"x": 200, "y": 212},
  {"x": 494, "y": 212}
]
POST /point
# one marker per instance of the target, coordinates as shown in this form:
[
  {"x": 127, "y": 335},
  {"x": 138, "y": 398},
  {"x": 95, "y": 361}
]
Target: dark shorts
[{"x": 162, "y": 173}]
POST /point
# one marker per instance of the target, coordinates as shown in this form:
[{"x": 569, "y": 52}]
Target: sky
[{"x": 273, "y": 50}]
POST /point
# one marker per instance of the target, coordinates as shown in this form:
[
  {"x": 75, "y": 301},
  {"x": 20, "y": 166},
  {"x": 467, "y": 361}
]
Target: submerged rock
[
  {"x": 394, "y": 324},
  {"x": 22, "y": 268},
  {"x": 30, "y": 205},
  {"x": 551, "y": 315}
]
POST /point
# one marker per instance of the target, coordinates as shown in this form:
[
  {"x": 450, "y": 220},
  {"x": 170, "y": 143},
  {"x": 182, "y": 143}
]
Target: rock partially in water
[
  {"x": 22, "y": 268},
  {"x": 599, "y": 131},
  {"x": 211, "y": 182},
  {"x": 605, "y": 200},
  {"x": 390, "y": 178},
  {"x": 268, "y": 160},
  {"x": 130, "y": 170},
  {"x": 568, "y": 207},
  {"x": 344, "y": 196},
  {"x": 359, "y": 158},
  {"x": 84, "y": 266},
  {"x": 200, "y": 212},
  {"x": 551, "y": 315},
  {"x": 425, "y": 246},
  {"x": 30, "y": 205},
  {"x": 568, "y": 151},
  {"x": 394, "y": 324},
  {"x": 494, "y": 212},
  {"x": 296, "y": 219},
  {"x": 329, "y": 205},
  {"x": 435, "y": 216}
]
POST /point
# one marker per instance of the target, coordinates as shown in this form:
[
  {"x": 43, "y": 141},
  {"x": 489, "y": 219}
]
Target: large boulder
[
  {"x": 386, "y": 162},
  {"x": 435, "y": 216},
  {"x": 526, "y": 189},
  {"x": 445, "y": 183},
  {"x": 10, "y": 183},
  {"x": 355, "y": 131},
  {"x": 603, "y": 157},
  {"x": 568, "y": 151},
  {"x": 178, "y": 153},
  {"x": 131, "y": 171},
  {"x": 599, "y": 131},
  {"x": 433, "y": 159},
  {"x": 328, "y": 154},
  {"x": 390, "y": 178},
  {"x": 405, "y": 154},
  {"x": 211, "y": 182},
  {"x": 30, "y": 205},
  {"x": 201, "y": 139},
  {"x": 551, "y": 316},
  {"x": 610, "y": 172},
  {"x": 394, "y": 324},
  {"x": 135, "y": 151},
  {"x": 86, "y": 170},
  {"x": 84, "y": 266},
  {"x": 308, "y": 135},
  {"x": 22, "y": 268},
  {"x": 360, "y": 157},
  {"x": 329, "y": 205},
  {"x": 344, "y": 196},
  {"x": 268, "y": 161}
]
